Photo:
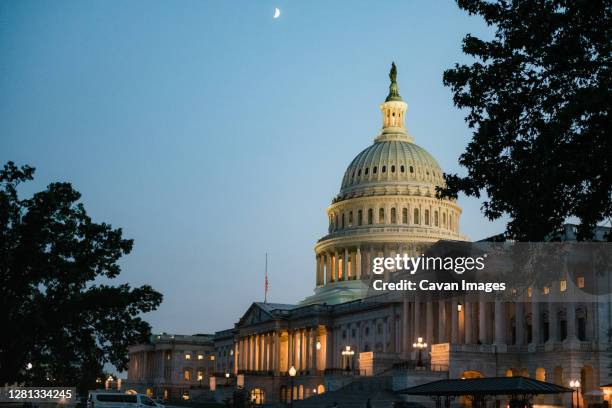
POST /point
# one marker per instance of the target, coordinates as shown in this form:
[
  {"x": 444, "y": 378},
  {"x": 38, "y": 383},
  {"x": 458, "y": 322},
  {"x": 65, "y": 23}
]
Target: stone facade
[{"x": 171, "y": 365}]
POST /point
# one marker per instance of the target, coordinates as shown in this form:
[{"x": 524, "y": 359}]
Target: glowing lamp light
[
  {"x": 459, "y": 307},
  {"x": 318, "y": 345},
  {"x": 227, "y": 375},
  {"x": 292, "y": 371},
  {"x": 574, "y": 384}
]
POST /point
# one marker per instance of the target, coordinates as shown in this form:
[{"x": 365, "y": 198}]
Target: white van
[{"x": 120, "y": 400}]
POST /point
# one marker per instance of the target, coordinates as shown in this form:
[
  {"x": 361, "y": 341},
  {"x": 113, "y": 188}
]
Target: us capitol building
[{"x": 340, "y": 344}]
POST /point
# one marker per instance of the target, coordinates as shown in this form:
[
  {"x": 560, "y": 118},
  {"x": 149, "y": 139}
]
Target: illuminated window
[
  {"x": 200, "y": 375},
  {"x": 529, "y": 292},
  {"x": 580, "y": 282},
  {"x": 187, "y": 374},
  {"x": 212, "y": 357},
  {"x": 257, "y": 396},
  {"x": 200, "y": 356},
  {"x": 563, "y": 285},
  {"x": 546, "y": 290},
  {"x": 185, "y": 395},
  {"x": 187, "y": 356}
]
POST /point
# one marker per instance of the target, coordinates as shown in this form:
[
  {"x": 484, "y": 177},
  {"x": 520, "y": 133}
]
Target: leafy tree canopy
[
  {"x": 538, "y": 99},
  {"x": 56, "y": 315}
]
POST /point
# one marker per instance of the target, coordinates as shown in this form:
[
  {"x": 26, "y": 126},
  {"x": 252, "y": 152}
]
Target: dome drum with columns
[{"x": 387, "y": 204}]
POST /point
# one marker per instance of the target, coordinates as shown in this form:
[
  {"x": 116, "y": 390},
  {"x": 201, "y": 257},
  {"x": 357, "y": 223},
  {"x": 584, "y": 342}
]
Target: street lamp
[
  {"x": 348, "y": 353},
  {"x": 575, "y": 386},
  {"x": 419, "y": 345},
  {"x": 227, "y": 375},
  {"x": 292, "y": 373}
]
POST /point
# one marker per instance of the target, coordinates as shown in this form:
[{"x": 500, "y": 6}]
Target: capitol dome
[
  {"x": 387, "y": 205},
  {"x": 390, "y": 166}
]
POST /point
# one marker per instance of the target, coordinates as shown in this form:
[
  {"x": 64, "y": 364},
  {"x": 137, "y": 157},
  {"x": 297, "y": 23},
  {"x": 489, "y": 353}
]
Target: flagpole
[{"x": 266, "y": 281}]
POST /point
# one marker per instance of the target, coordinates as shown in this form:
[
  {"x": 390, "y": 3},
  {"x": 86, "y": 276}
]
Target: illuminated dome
[
  {"x": 390, "y": 166},
  {"x": 386, "y": 205}
]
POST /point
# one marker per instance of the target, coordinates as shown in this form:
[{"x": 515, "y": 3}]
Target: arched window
[
  {"x": 384, "y": 169},
  {"x": 411, "y": 169},
  {"x": 393, "y": 169},
  {"x": 436, "y": 218},
  {"x": 374, "y": 170},
  {"x": 257, "y": 396},
  {"x": 358, "y": 172},
  {"x": 187, "y": 374},
  {"x": 402, "y": 169},
  {"x": 342, "y": 220},
  {"x": 426, "y": 217},
  {"x": 370, "y": 216},
  {"x": 366, "y": 172},
  {"x": 320, "y": 389},
  {"x": 301, "y": 392},
  {"x": 350, "y": 223},
  {"x": 405, "y": 215},
  {"x": 444, "y": 220},
  {"x": 393, "y": 216},
  {"x": 416, "y": 216},
  {"x": 359, "y": 217},
  {"x": 381, "y": 216}
]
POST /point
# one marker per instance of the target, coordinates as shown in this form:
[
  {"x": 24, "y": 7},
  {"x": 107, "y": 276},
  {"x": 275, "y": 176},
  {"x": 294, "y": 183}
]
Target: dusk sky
[{"x": 212, "y": 133}]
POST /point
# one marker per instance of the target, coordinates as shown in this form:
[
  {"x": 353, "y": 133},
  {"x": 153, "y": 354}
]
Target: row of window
[
  {"x": 383, "y": 169},
  {"x": 580, "y": 283},
  {"x": 199, "y": 356},
  {"x": 338, "y": 223},
  {"x": 187, "y": 374}
]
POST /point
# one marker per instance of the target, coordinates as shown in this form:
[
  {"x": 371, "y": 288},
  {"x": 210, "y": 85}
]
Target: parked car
[{"x": 120, "y": 400}]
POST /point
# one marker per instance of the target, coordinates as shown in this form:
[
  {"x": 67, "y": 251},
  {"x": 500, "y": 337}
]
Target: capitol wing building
[{"x": 338, "y": 346}]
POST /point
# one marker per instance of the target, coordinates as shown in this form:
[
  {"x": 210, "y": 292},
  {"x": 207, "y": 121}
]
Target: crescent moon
[{"x": 276, "y": 13}]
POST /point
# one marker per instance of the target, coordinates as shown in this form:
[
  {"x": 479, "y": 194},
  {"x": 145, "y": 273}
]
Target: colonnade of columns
[{"x": 276, "y": 351}]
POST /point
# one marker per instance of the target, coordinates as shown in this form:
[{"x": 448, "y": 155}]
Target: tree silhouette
[
  {"x": 60, "y": 321},
  {"x": 538, "y": 99}
]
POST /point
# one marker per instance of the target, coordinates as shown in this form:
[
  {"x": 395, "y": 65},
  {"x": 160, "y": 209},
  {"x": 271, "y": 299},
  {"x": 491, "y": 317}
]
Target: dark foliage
[
  {"x": 56, "y": 314},
  {"x": 538, "y": 99}
]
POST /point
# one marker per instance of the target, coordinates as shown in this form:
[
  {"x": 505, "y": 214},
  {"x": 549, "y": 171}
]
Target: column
[
  {"x": 553, "y": 332},
  {"x": 392, "y": 329},
  {"x": 336, "y": 267},
  {"x": 454, "y": 322},
  {"x": 329, "y": 348},
  {"x": 429, "y": 321},
  {"x": 358, "y": 263},
  {"x": 328, "y": 271},
  {"x": 405, "y": 333},
  {"x": 500, "y": 322},
  {"x": 535, "y": 318},
  {"x": 344, "y": 265},
  {"x": 519, "y": 321},
  {"x": 276, "y": 354},
  {"x": 570, "y": 313},
  {"x": 482, "y": 322},
  {"x": 417, "y": 322},
  {"x": 467, "y": 318},
  {"x": 306, "y": 349},
  {"x": 315, "y": 352},
  {"x": 442, "y": 316}
]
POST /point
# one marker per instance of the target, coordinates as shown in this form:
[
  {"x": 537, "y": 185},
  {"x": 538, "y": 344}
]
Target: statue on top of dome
[
  {"x": 393, "y": 73},
  {"x": 393, "y": 88}
]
